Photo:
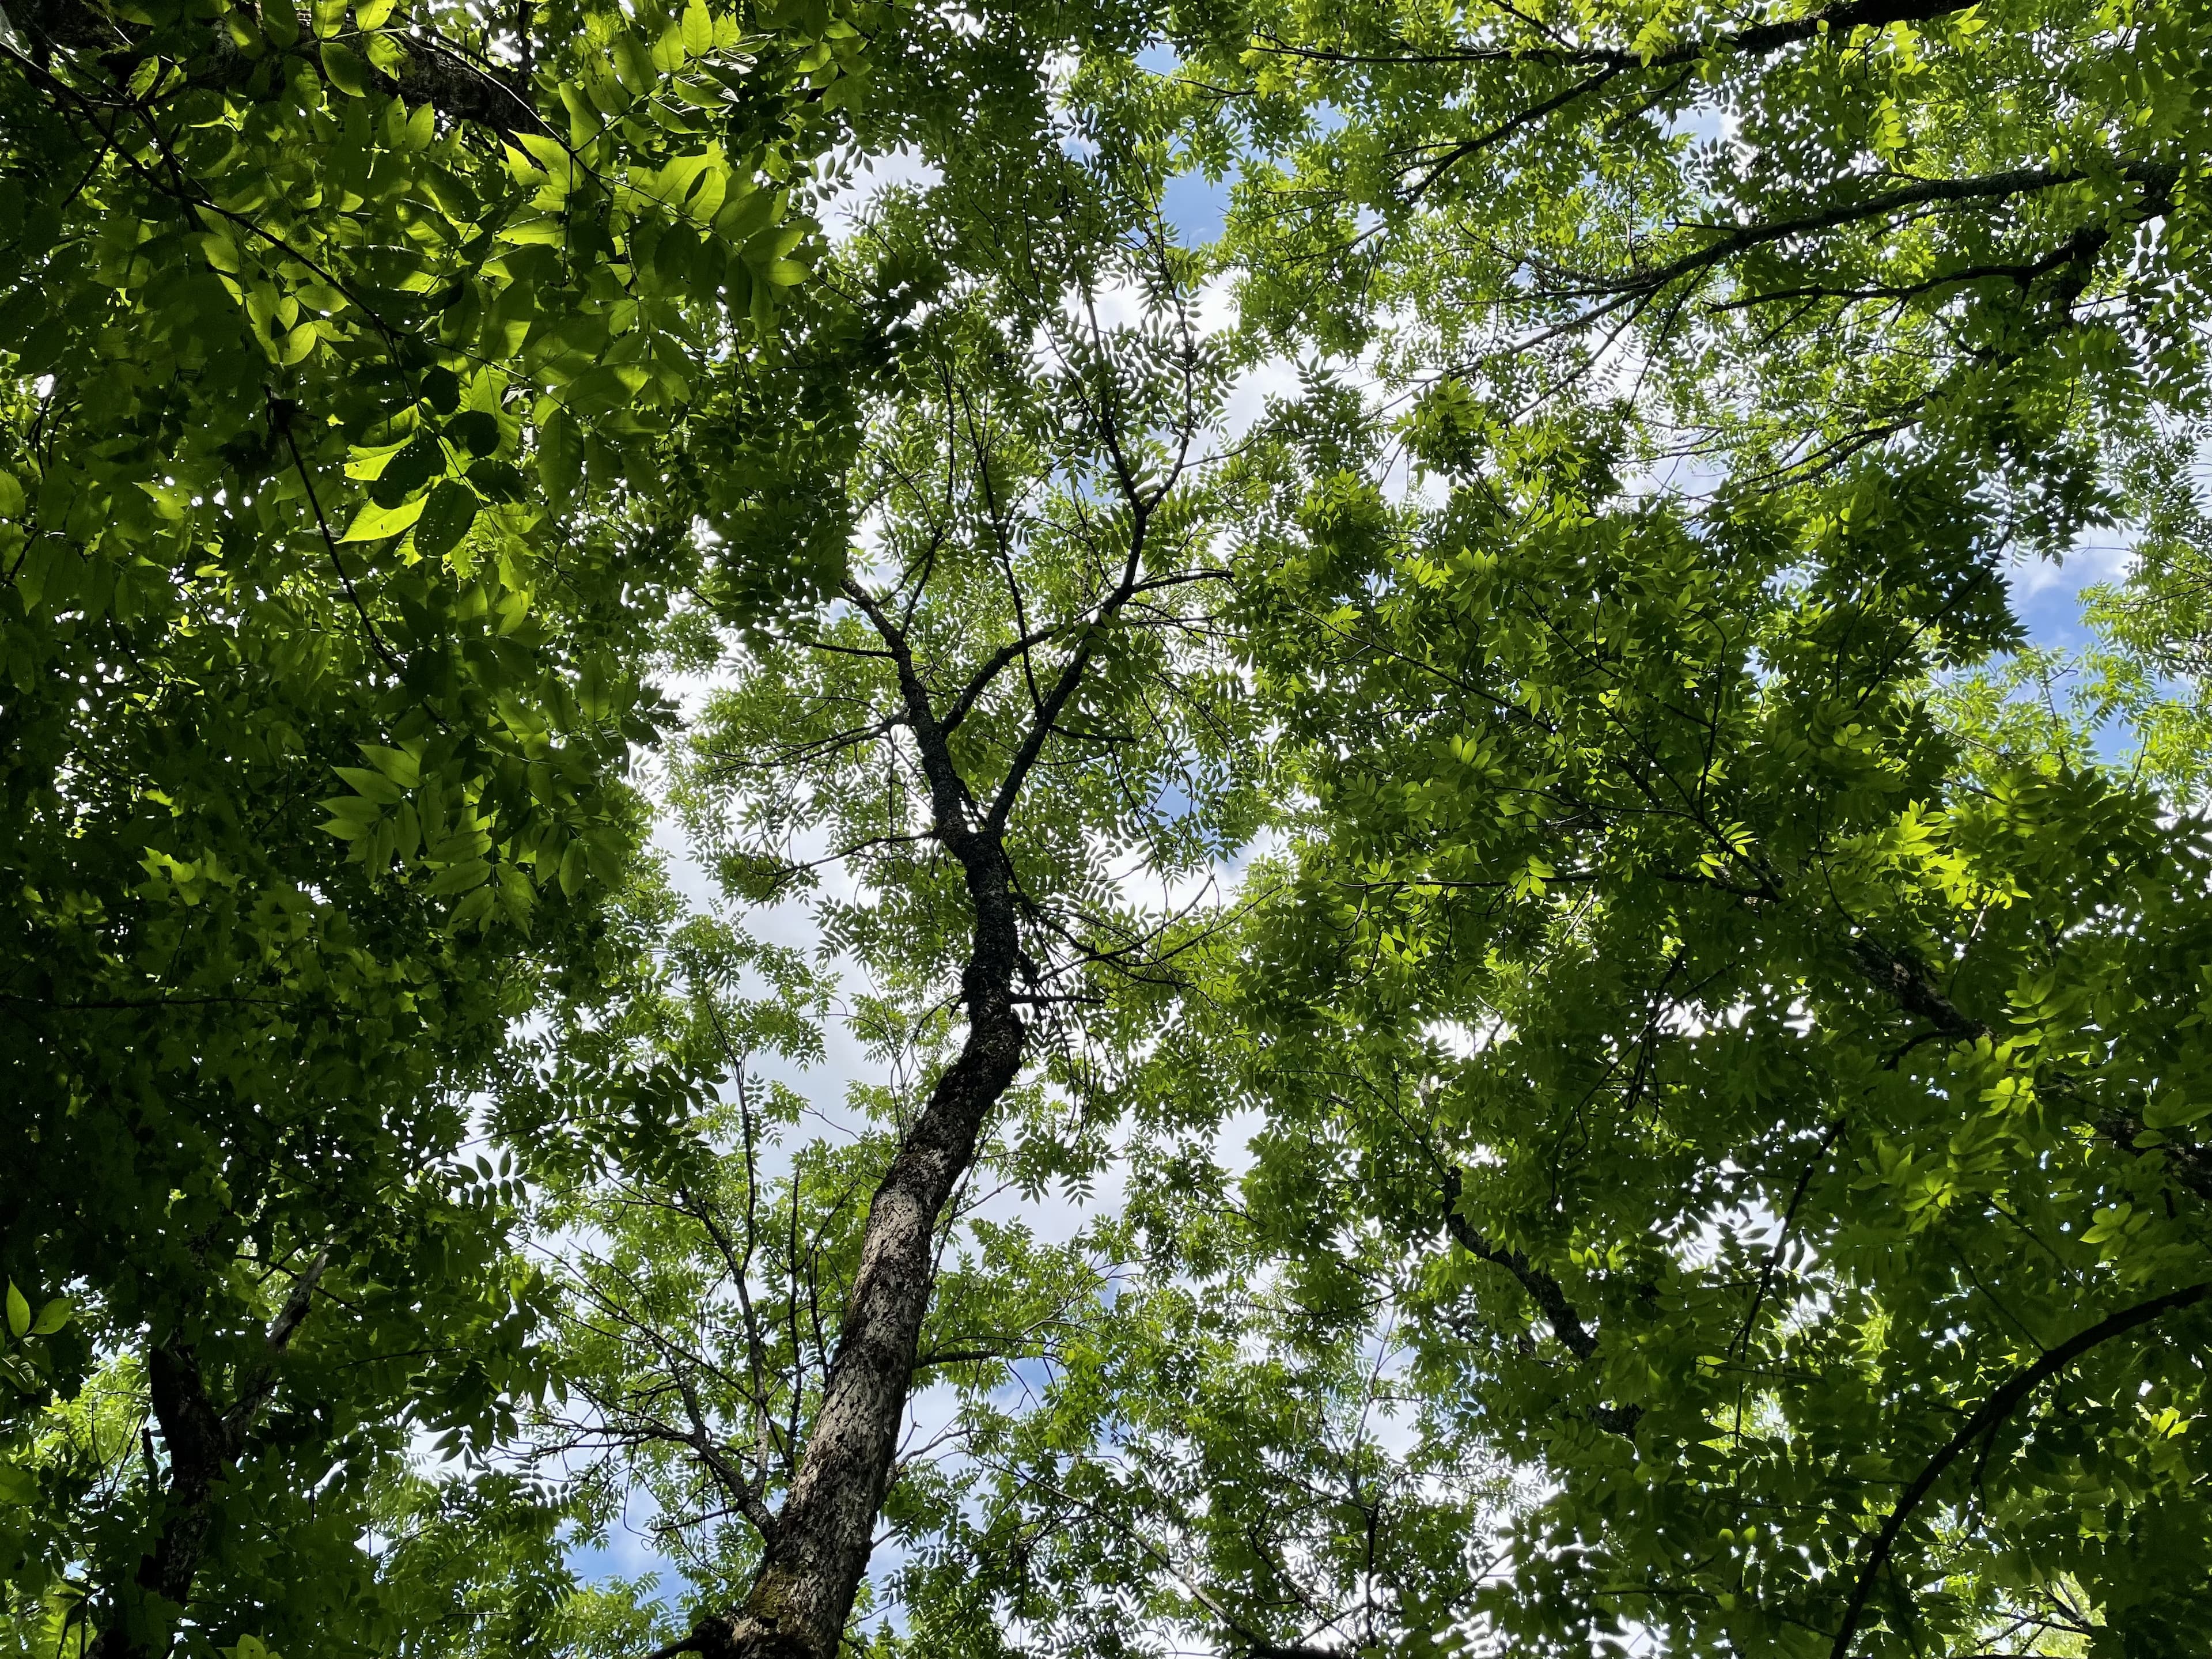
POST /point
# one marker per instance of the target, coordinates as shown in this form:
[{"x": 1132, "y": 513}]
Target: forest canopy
[{"x": 1289, "y": 831}]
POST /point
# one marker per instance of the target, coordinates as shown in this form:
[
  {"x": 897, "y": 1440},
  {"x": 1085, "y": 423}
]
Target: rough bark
[
  {"x": 817, "y": 1549},
  {"x": 203, "y": 1443}
]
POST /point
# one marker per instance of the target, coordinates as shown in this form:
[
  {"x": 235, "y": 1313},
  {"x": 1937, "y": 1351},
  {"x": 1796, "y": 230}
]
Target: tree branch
[
  {"x": 1759, "y": 40},
  {"x": 2000, "y": 1405},
  {"x": 203, "y": 1443},
  {"x": 2017, "y": 181},
  {"x": 1544, "y": 1290}
]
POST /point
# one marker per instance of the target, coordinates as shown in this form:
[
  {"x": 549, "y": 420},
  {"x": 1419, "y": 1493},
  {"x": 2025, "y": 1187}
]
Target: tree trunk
[
  {"x": 819, "y": 1549},
  {"x": 198, "y": 1445},
  {"x": 203, "y": 1443}
]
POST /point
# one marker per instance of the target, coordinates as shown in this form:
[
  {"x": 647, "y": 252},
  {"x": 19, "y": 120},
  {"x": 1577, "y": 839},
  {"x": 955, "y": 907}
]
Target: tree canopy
[{"x": 784, "y": 874}]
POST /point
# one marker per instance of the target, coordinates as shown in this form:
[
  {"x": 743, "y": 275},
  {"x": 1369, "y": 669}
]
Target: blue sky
[{"x": 1194, "y": 207}]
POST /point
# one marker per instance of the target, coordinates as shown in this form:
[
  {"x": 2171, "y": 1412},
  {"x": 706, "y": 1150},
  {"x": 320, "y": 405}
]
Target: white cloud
[{"x": 841, "y": 211}]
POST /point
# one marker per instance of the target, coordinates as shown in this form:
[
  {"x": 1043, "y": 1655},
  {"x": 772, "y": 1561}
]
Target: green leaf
[
  {"x": 19, "y": 1312},
  {"x": 548, "y": 154},
  {"x": 298, "y": 344},
  {"x": 475, "y": 430},
  {"x": 459, "y": 877},
  {"x": 698, "y": 30},
  {"x": 345, "y": 69},
  {"x": 441, "y": 387},
  {"x": 549, "y": 231},
  {"x": 51, "y": 1317},
  {"x": 397, "y": 764},
  {"x": 497, "y": 481},
  {"x": 451, "y": 509},
  {"x": 374, "y": 522},
  {"x": 372, "y": 786},
  {"x": 633, "y": 61},
  {"x": 603, "y": 388},
  {"x": 475, "y": 908},
  {"x": 559, "y": 455},
  {"x": 352, "y": 808},
  {"x": 404, "y": 473},
  {"x": 2169, "y": 1109}
]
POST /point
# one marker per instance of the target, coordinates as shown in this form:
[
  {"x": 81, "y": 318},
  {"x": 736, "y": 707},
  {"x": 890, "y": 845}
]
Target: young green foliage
[
  {"x": 1791, "y": 1083},
  {"x": 1784, "y": 233}
]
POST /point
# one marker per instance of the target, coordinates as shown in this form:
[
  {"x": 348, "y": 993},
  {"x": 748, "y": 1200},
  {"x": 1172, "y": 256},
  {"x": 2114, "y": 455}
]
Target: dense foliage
[
  {"x": 343, "y": 348},
  {"x": 747, "y": 810}
]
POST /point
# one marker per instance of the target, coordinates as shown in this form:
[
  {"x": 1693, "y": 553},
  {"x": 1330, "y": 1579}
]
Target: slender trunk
[{"x": 819, "y": 1548}]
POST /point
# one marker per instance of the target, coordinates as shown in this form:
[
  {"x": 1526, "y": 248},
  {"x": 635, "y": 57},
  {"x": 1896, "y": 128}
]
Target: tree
[
  {"x": 1684, "y": 932},
  {"x": 319, "y": 708},
  {"x": 1017, "y": 688},
  {"x": 1724, "y": 1060},
  {"x": 1789, "y": 1074}
]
